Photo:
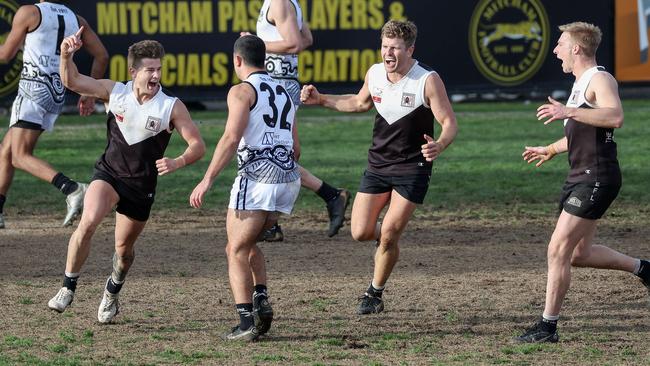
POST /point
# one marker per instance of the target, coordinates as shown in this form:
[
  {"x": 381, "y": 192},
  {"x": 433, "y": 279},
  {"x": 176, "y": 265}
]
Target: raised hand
[
  {"x": 72, "y": 43},
  {"x": 309, "y": 95},
  {"x": 552, "y": 111}
]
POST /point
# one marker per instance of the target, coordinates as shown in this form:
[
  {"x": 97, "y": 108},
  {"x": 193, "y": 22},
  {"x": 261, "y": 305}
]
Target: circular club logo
[
  {"x": 10, "y": 71},
  {"x": 509, "y": 39}
]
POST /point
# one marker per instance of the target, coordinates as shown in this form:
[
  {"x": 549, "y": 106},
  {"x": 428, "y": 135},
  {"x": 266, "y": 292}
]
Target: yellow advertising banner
[{"x": 632, "y": 28}]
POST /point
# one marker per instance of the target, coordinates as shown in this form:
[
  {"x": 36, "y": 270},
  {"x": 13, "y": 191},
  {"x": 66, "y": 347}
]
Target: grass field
[
  {"x": 471, "y": 273},
  {"x": 481, "y": 172}
]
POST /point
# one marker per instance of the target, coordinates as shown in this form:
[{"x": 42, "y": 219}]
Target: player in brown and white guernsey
[
  {"x": 590, "y": 117},
  {"x": 408, "y": 96},
  {"x": 39, "y": 30},
  {"x": 141, "y": 120},
  {"x": 285, "y": 33}
]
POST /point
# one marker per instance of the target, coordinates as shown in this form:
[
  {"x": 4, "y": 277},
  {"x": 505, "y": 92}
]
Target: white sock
[
  {"x": 115, "y": 281},
  {"x": 552, "y": 318},
  {"x": 637, "y": 267}
]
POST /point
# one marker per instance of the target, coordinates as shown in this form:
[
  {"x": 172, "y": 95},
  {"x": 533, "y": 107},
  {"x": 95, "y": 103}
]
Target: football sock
[
  {"x": 375, "y": 291},
  {"x": 64, "y": 184},
  {"x": 549, "y": 322},
  {"x": 327, "y": 192},
  {"x": 245, "y": 312},
  {"x": 112, "y": 286},
  {"x": 643, "y": 270},
  {"x": 3, "y": 198},
  {"x": 70, "y": 281},
  {"x": 261, "y": 289}
]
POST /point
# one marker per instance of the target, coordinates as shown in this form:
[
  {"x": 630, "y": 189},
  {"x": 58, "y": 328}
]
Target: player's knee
[
  {"x": 234, "y": 249},
  {"x": 557, "y": 251},
  {"x": 90, "y": 220},
  {"x": 362, "y": 234},
  {"x": 16, "y": 161}
]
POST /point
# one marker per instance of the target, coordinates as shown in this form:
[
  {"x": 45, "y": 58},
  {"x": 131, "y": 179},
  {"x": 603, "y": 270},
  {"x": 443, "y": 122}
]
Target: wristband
[{"x": 551, "y": 149}]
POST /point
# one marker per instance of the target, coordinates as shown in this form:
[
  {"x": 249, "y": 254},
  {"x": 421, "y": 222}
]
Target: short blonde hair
[
  {"x": 586, "y": 35},
  {"x": 404, "y": 30}
]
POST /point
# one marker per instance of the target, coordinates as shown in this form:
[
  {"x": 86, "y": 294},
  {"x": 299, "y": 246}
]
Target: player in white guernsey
[
  {"x": 39, "y": 29},
  {"x": 407, "y": 97},
  {"x": 590, "y": 116},
  {"x": 259, "y": 130},
  {"x": 141, "y": 120},
  {"x": 282, "y": 28}
]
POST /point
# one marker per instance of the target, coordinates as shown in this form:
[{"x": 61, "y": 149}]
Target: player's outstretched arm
[
  {"x": 360, "y": 102},
  {"x": 70, "y": 75},
  {"x": 240, "y": 98},
  {"x": 94, "y": 46},
  {"x": 195, "y": 150},
  {"x": 436, "y": 96}
]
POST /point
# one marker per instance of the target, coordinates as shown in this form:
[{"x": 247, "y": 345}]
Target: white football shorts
[
  {"x": 27, "y": 110},
  {"x": 248, "y": 195}
]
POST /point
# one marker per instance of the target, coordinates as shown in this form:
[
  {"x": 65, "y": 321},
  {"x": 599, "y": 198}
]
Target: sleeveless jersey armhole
[
  {"x": 254, "y": 91},
  {"x": 40, "y": 19},
  {"x": 423, "y": 89}
]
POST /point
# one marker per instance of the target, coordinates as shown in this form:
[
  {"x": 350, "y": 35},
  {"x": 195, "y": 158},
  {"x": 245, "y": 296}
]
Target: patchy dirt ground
[{"x": 462, "y": 289}]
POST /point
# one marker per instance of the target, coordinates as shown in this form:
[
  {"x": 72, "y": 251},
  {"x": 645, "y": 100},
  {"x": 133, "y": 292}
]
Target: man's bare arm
[
  {"x": 360, "y": 102},
  {"x": 283, "y": 14},
  {"x": 75, "y": 81},
  {"x": 26, "y": 19}
]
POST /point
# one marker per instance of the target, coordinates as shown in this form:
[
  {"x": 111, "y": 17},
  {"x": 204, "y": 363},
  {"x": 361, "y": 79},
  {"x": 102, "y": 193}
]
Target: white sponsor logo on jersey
[
  {"x": 408, "y": 100},
  {"x": 153, "y": 124}
]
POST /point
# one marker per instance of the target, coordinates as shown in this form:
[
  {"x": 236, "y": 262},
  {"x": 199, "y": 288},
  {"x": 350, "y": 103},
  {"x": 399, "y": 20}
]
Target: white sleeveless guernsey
[
  {"x": 265, "y": 151},
  {"x": 40, "y": 80}
]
